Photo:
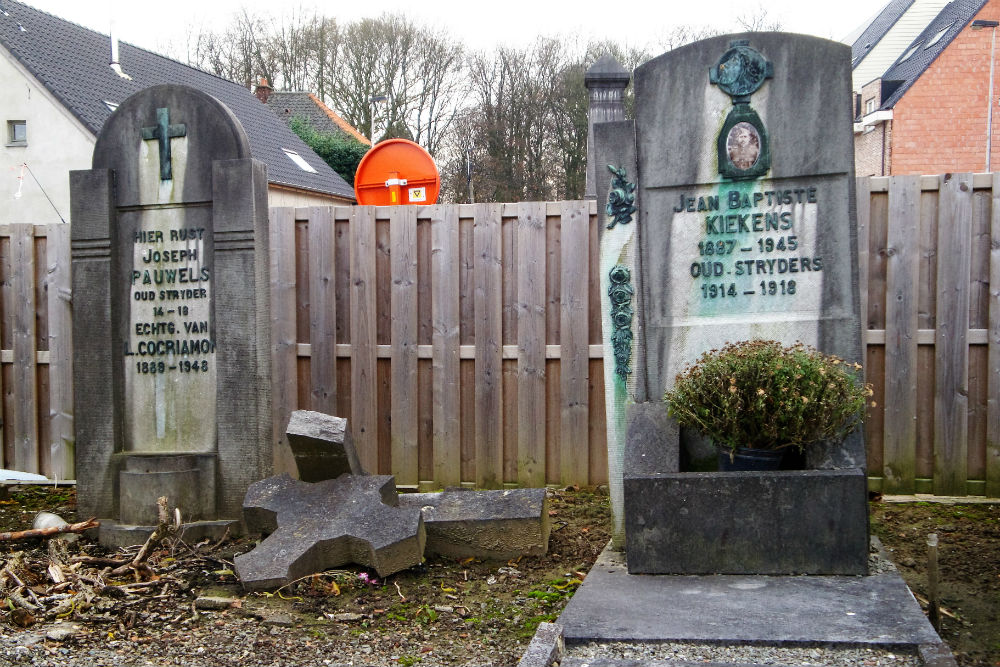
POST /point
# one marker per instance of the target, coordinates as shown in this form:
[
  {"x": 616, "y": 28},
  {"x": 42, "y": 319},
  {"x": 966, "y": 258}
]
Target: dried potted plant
[{"x": 756, "y": 399}]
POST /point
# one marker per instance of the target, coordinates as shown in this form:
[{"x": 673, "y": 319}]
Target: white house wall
[
  {"x": 896, "y": 41},
  {"x": 56, "y": 143}
]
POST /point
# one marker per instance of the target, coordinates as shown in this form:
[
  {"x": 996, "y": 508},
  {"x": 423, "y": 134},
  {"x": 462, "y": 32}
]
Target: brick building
[{"x": 927, "y": 113}]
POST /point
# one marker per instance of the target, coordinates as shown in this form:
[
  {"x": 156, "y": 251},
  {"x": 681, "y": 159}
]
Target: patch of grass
[
  {"x": 409, "y": 660},
  {"x": 528, "y": 628},
  {"x": 426, "y": 615}
]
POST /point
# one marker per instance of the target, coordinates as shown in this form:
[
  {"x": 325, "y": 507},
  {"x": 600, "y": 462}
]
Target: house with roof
[
  {"x": 932, "y": 109},
  {"x": 58, "y": 89},
  {"x": 881, "y": 40},
  {"x": 288, "y": 105}
]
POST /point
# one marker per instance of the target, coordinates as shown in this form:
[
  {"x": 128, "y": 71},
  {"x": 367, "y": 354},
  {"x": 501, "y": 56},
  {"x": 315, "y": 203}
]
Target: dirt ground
[
  {"x": 968, "y": 566},
  {"x": 445, "y": 612},
  {"x": 441, "y": 613}
]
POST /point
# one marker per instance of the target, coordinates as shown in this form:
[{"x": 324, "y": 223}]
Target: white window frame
[
  {"x": 299, "y": 161},
  {"x": 12, "y": 133}
]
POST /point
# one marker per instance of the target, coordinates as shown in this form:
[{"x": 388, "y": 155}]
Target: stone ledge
[{"x": 781, "y": 522}]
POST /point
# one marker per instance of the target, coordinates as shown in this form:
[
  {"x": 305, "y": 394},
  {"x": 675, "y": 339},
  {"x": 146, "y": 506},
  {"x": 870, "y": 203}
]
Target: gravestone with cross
[
  {"x": 728, "y": 214},
  {"x": 171, "y": 310}
]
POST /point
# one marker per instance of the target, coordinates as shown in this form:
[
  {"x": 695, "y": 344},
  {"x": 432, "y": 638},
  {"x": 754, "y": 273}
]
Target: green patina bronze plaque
[
  {"x": 621, "y": 293},
  {"x": 621, "y": 198},
  {"x": 743, "y": 148},
  {"x": 741, "y": 71}
]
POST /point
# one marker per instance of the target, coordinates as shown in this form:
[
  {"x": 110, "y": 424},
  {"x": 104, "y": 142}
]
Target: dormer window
[
  {"x": 17, "y": 133},
  {"x": 299, "y": 161},
  {"x": 937, "y": 38},
  {"x": 909, "y": 53}
]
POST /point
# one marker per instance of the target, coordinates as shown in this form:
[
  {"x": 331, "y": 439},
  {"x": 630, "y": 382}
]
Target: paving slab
[
  {"x": 613, "y": 605},
  {"x": 322, "y": 446},
  {"x": 490, "y": 525},
  {"x": 313, "y": 527}
]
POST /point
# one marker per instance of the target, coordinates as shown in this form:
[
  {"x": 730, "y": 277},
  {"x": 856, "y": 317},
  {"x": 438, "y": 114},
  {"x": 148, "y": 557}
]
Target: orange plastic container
[{"x": 397, "y": 171}]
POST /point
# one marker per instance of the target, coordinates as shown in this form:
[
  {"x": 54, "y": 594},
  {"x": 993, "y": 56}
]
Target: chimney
[
  {"x": 115, "y": 66},
  {"x": 263, "y": 91}
]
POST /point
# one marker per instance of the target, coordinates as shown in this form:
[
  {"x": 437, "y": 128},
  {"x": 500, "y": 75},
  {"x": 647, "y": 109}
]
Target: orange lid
[{"x": 397, "y": 171}]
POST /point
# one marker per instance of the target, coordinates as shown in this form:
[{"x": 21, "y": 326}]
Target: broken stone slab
[
  {"x": 322, "y": 446},
  {"x": 214, "y": 603},
  {"x": 312, "y": 527},
  {"x": 490, "y": 525}
]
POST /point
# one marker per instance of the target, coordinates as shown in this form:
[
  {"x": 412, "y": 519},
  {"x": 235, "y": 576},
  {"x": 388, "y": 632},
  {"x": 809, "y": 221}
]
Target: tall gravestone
[
  {"x": 170, "y": 315},
  {"x": 730, "y": 216}
]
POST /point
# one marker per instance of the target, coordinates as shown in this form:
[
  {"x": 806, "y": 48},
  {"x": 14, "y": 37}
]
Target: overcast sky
[{"x": 159, "y": 26}]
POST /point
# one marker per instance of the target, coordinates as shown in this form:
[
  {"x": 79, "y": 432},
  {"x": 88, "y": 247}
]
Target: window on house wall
[
  {"x": 17, "y": 133},
  {"x": 870, "y": 106}
]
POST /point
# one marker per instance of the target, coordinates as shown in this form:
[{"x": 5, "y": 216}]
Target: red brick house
[{"x": 927, "y": 113}]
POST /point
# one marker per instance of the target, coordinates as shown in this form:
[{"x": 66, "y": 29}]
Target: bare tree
[
  {"x": 758, "y": 20},
  {"x": 241, "y": 52}
]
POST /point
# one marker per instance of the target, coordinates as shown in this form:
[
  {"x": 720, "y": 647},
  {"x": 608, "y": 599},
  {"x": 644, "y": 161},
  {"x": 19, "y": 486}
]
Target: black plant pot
[{"x": 744, "y": 459}]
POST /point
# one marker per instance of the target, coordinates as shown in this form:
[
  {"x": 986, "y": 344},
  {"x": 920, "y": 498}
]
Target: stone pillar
[{"x": 606, "y": 81}]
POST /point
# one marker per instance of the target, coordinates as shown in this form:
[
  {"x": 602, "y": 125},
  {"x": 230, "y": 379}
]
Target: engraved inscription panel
[
  {"x": 744, "y": 249},
  {"x": 169, "y": 355}
]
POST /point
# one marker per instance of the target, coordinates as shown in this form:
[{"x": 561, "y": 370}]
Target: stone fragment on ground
[
  {"x": 322, "y": 446},
  {"x": 213, "y": 603},
  {"x": 312, "y": 527},
  {"x": 490, "y": 525}
]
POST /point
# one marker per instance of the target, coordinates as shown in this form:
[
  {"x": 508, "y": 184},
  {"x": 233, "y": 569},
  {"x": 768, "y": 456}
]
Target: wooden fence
[
  {"x": 36, "y": 381},
  {"x": 931, "y": 294},
  {"x": 463, "y": 342}
]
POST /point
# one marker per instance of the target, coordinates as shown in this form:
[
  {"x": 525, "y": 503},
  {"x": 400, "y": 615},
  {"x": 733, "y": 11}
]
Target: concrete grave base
[
  {"x": 490, "y": 525},
  {"x": 779, "y": 522},
  {"x": 187, "y": 481},
  {"x": 876, "y": 611},
  {"x": 115, "y": 535}
]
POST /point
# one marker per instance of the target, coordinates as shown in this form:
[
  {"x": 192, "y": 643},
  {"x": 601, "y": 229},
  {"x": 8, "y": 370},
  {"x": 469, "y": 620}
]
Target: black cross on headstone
[{"x": 164, "y": 132}]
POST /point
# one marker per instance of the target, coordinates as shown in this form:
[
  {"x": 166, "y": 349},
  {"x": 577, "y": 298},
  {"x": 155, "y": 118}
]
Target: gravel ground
[
  {"x": 762, "y": 655},
  {"x": 228, "y": 641}
]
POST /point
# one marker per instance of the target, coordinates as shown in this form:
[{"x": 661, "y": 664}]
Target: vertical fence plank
[
  {"x": 404, "y": 403},
  {"x": 864, "y": 214},
  {"x": 284, "y": 371},
  {"x": 574, "y": 364},
  {"x": 60, "y": 316},
  {"x": 530, "y": 313},
  {"x": 445, "y": 354},
  {"x": 364, "y": 403},
  {"x": 993, "y": 363},
  {"x": 22, "y": 251},
  {"x": 489, "y": 354},
  {"x": 902, "y": 273},
  {"x": 322, "y": 311},
  {"x": 951, "y": 369}
]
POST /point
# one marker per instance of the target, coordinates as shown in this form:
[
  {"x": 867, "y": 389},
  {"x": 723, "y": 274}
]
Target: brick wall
[
  {"x": 939, "y": 125},
  {"x": 868, "y": 147}
]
